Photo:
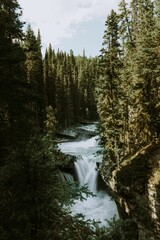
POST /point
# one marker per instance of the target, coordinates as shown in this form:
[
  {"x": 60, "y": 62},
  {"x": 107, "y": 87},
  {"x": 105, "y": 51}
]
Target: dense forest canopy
[
  {"x": 40, "y": 95},
  {"x": 128, "y": 87}
]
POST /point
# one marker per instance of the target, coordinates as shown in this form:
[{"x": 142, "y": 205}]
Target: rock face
[
  {"x": 136, "y": 188},
  {"x": 74, "y": 133}
]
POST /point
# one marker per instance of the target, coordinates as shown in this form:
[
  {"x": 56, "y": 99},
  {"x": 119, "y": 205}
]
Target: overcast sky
[{"x": 69, "y": 24}]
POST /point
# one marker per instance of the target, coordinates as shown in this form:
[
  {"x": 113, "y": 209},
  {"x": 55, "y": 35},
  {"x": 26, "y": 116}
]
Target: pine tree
[
  {"x": 40, "y": 79},
  {"x": 125, "y": 29},
  {"x": 73, "y": 77},
  {"x": 16, "y": 124},
  {"x": 34, "y": 66},
  {"x": 50, "y": 76},
  {"x": 13, "y": 82},
  {"x": 69, "y": 86},
  {"x": 82, "y": 92},
  {"x": 109, "y": 90},
  {"x": 145, "y": 85},
  {"x": 91, "y": 73},
  {"x": 127, "y": 39}
]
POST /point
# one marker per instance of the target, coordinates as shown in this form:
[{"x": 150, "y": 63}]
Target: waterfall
[
  {"x": 98, "y": 208},
  {"x": 87, "y": 174},
  {"x": 66, "y": 177}
]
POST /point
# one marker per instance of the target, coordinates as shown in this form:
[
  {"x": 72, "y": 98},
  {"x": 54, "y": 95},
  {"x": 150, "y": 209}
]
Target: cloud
[
  {"x": 85, "y": 4},
  {"x": 60, "y": 19}
]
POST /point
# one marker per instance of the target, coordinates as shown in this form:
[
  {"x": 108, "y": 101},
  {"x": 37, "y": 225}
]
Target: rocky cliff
[{"x": 136, "y": 188}]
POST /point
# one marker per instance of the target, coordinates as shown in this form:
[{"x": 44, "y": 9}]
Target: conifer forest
[{"x": 43, "y": 94}]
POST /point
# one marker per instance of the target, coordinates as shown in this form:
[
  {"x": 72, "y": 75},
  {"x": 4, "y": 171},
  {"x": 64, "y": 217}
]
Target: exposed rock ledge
[{"x": 136, "y": 188}]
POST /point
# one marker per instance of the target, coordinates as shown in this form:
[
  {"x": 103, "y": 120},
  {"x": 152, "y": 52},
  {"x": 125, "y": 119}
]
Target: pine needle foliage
[{"x": 128, "y": 86}]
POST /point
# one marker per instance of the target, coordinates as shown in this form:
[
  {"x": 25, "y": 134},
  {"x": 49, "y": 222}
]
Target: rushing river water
[{"x": 101, "y": 207}]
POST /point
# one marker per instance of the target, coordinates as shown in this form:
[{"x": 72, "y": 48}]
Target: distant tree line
[
  {"x": 60, "y": 80},
  {"x": 128, "y": 96}
]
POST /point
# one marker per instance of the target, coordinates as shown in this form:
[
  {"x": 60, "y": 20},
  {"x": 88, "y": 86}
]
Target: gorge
[{"x": 134, "y": 186}]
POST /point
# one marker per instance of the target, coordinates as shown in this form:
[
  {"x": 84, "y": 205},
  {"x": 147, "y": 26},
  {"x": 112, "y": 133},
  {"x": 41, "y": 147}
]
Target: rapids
[{"x": 101, "y": 207}]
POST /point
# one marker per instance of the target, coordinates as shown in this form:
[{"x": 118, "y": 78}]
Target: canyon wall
[{"x": 135, "y": 186}]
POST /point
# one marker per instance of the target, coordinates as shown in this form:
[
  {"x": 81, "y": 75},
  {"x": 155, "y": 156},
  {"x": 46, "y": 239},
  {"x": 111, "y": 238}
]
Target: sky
[{"x": 69, "y": 24}]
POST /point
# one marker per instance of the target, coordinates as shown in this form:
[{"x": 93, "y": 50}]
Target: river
[{"x": 101, "y": 207}]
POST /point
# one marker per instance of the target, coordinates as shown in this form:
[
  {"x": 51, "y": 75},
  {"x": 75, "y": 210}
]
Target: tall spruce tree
[
  {"x": 16, "y": 125},
  {"x": 34, "y": 66},
  {"x": 82, "y": 92},
  {"x": 12, "y": 81},
  {"x": 145, "y": 66},
  {"x": 109, "y": 90},
  {"x": 128, "y": 47},
  {"x": 50, "y": 76}
]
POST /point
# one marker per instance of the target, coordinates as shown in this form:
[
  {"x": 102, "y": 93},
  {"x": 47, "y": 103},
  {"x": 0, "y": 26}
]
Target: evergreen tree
[
  {"x": 127, "y": 39},
  {"x": 40, "y": 79},
  {"x": 34, "y": 66},
  {"x": 73, "y": 78},
  {"x": 70, "y": 84},
  {"x": 60, "y": 90},
  {"x": 109, "y": 90},
  {"x": 127, "y": 90},
  {"x": 125, "y": 26},
  {"x": 145, "y": 85},
  {"x": 82, "y": 92},
  {"x": 50, "y": 76},
  {"x": 13, "y": 84}
]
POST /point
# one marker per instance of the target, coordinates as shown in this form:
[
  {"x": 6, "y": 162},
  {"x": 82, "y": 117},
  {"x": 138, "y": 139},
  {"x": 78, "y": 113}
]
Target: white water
[{"x": 101, "y": 207}]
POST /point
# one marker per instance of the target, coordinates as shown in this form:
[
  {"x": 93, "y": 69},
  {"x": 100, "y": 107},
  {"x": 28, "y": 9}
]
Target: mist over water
[{"x": 101, "y": 207}]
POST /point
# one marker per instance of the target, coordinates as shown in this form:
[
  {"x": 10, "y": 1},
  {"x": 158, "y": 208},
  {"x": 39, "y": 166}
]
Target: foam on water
[{"x": 101, "y": 207}]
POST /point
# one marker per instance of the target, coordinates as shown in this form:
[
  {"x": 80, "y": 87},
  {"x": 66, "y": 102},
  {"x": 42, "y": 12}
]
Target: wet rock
[{"x": 74, "y": 133}]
